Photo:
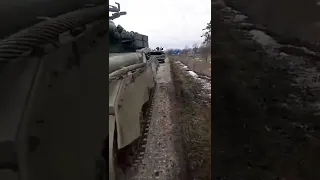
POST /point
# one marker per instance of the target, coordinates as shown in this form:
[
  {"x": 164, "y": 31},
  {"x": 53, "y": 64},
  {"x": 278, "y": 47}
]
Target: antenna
[{"x": 117, "y": 13}]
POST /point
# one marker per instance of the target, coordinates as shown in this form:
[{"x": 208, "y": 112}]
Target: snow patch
[
  {"x": 236, "y": 16},
  {"x": 229, "y": 9},
  {"x": 303, "y": 76},
  {"x": 239, "y": 18},
  {"x": 182, "y": 65},
  {"x": 283, "y": 54},
  {"x": 263, "y": 39},
  {"x": 205, "y": 84},
  {"x": 304, "y": 49},
  {"x": 193, "y": 74}
]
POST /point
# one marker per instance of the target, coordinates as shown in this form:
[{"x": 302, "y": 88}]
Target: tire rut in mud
[{"x": 163, "y": 157}]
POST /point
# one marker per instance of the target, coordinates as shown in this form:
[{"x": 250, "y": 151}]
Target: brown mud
[{"x": 264, "y": 125}]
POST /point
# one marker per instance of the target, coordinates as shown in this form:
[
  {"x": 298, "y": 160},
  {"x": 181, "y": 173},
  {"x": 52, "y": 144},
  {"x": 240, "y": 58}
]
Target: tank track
[{"x": 132, "y": 155}]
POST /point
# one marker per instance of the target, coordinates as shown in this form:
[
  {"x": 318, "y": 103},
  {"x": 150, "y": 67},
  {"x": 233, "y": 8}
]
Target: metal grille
[{"x": 48, "y": 31}]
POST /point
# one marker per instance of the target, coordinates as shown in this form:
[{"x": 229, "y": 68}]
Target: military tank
[
  {"x": 158, "y": 54},
  {"x": 54, "y": 97},
  {"x": 131, "y": 86}
]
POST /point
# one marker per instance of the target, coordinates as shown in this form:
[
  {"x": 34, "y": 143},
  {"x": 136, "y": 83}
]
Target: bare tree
[
  {"x": 186, "y": 50},
  {"x": 195, "y": 48},
  {"x": 205, "y": 51},
  {"x": 205, "y": 48},
  {"x": 207, "y": 34}
]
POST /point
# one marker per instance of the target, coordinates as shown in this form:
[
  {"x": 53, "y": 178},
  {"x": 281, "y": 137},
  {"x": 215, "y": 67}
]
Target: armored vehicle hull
[
  {"x": 54, "y": 83},
  {"x": 55, "y": 77},
  {"x": 130, "y": 96},
  {"x": 132, "y": 81},
  {"x": 159, "y": 55},
  {"x": 19, "y": 14}
]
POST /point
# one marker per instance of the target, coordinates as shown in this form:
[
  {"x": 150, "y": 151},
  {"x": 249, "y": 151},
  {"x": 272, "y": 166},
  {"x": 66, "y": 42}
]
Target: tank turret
[
  {"x": 158, "y": 54},
  {"x": 121, "y": 40}
]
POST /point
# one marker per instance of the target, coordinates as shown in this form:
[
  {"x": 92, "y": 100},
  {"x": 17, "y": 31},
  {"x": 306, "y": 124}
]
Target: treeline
[{"x": 204, "y": 50}]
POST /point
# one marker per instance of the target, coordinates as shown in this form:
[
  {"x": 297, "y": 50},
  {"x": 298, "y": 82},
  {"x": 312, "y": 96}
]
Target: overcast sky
[{"x": 168, "y": 23}]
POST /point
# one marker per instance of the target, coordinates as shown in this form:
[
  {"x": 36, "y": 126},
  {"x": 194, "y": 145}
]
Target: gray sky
[{"x": 168, "y": 23}]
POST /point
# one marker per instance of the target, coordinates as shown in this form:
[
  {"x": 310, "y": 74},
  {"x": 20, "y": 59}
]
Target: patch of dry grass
[{"x": 199, "y": 67}]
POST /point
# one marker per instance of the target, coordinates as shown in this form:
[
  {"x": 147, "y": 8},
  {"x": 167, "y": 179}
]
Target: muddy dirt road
[
  {"x": 163, "y": 158},
  {"x": 266, "y": 119},
  {"x": 178, "y": 145}
]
